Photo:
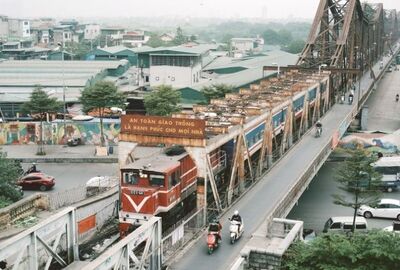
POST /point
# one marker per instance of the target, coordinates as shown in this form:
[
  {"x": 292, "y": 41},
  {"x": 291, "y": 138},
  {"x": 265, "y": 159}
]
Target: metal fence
[
  {"x": 182, "y": 233},
  {"x": 79, "y": 193}
]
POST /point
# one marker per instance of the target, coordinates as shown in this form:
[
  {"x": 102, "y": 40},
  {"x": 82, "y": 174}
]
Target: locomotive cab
[{"x": 154, "y": 185}]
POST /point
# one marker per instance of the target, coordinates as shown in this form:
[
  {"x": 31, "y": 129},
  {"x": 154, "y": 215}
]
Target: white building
[
  {"x": 134, "y": 38},
  {"x": 14, "y": 28},
  {"x": 243, "y": 45},
  {"x": 176, "y": 66},
  {"x": 91, "y": 31}
]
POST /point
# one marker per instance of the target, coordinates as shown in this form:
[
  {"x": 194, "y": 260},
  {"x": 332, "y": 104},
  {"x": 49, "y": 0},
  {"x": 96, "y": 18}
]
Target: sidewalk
[{"x": 59, "y": 154}]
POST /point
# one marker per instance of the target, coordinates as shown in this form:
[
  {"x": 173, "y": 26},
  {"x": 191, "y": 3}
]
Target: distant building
[
  {"x": 112, "y": 35},
  {"x": 167, "y": 37},
  {"x": 134, "y": 38},
  {"x": 91, "y": 31},
  {"x": 62, "y": 34},
  {"x": 42, "y": 30},
  {"x": 116, "y": 53},
  {"x": 12, "y": 28},
  {"x": 23, "y": 50},
  {"x": 243, "y": 45},
  {"x": 19, "y": 78},
  {"x": 176, "y": 66}
]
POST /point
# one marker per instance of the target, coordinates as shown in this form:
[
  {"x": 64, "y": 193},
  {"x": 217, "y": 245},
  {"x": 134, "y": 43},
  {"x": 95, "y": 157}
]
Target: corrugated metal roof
[
  {"x": 195, "y": 50},
  {"x": 52, "y": 73},
  {"x": 253, "y": 71}
]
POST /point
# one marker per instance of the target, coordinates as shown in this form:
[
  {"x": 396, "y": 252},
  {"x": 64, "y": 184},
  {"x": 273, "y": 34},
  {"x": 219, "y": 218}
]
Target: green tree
[
  {"x": 375, "y": 250},
  {"x": 271, "y": 37},
  {"x": 163, "y": 101},
  {"x": 40, "y": 104},
  {"x": 180, "y": 38},
  {"x": 155, "y": 41},
  {"x": 357, "y": 176},
  {"x": 295, "y": 46},
  {"x": 78, "y": 50},
  {"x": 10, "y": 171},
  {"x": 99, "y": 97},
  {"x": 216, "y": 91},
  {"x": 285, "y": 37}
]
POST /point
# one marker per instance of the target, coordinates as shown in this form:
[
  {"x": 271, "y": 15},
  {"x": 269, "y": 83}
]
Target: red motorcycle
[{"x": 213, "y": 236}]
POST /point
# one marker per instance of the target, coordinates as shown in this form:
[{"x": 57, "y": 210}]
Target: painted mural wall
[{"x": 53, "y": 133}]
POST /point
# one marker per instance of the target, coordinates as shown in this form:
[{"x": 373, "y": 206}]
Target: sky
[{"x": 266, "y": 9}]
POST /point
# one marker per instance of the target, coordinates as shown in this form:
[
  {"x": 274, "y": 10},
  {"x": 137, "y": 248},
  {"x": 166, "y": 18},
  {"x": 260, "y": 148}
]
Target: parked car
[
  {"x": 36, "y": 180},
  {"x": 393, "y": 228},
  {"x": 345, "y": 224},
  {"x": 385, "y": 208}
]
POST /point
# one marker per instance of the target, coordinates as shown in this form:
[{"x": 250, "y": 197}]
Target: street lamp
[
  {"x": 61, "y": 45},
  {"x": 279, "y": 68},
  {"x": 321, "y": 66}
]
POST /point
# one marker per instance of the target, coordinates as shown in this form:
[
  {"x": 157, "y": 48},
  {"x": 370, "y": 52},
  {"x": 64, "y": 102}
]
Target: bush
[{"x": 13, "y": 194}]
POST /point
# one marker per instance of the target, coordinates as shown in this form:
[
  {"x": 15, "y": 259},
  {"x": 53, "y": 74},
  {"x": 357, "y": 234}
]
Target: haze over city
[{"x": 272, "y": 9}]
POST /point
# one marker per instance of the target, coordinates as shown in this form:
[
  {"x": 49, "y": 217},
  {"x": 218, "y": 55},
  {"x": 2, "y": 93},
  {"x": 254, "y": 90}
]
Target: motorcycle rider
[
  {"x": 215, "y": 228},
  {"x": 318, "y": 125},
  {"x": 238, "y": 218},
  {"x": 397, "y": 97},
  {"x": 32, "y": 169}
]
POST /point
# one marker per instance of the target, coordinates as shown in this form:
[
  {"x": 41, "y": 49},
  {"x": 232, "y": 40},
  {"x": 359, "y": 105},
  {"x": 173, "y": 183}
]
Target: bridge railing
[
  {"x": 182, "y": 234},
  {"x": 22, "y": 209}
]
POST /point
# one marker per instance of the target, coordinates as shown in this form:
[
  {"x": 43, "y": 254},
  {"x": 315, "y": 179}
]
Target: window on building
[{"x": 26, "y": 23}]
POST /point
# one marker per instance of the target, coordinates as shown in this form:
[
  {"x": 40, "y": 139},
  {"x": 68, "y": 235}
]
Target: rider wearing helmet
[{"x": 238, "y": 218}]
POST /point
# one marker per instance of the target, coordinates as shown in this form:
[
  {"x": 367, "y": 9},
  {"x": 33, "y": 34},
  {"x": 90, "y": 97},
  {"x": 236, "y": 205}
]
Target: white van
[{"x": 345, "y": 224}]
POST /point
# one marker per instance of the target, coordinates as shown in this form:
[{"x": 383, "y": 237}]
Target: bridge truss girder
[
  {"x": 345, "y": 35},
  {"x": 122, "y": 255},
  {"x": 23, "y": 250}
]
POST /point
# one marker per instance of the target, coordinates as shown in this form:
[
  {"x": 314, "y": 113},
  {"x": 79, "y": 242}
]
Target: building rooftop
[
  {"x": 240, "y": 72},
  {"x": 18, "y": 78},
  {"x": 117, "y": 49},
  {"x": 192, "y": 50}
]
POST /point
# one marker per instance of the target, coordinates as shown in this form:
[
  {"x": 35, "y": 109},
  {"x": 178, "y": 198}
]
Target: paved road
[
  {"x": 316, "y": 204},
  {"x": 260, "y": 201},
  {"x": 383, "y": 109},
  {"x": 69, "y": 175}
]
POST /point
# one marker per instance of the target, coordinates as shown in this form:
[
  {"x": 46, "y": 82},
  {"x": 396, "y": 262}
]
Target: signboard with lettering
[{"x": 163, "y": 126}]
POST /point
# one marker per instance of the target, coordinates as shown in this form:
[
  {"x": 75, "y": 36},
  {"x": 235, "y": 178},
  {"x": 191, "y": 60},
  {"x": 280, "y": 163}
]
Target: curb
[{"x": 66, "y": 160}]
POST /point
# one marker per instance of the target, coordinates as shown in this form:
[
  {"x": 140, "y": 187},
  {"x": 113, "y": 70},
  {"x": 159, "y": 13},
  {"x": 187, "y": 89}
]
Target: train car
[{"x": 157, "y": 183}]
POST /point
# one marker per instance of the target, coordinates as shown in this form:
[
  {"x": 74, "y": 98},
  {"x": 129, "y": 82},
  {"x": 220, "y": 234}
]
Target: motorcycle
[
  {"x": 74, "y": 141},
  {"x": 214, "y": 230},
  {"x": 351, "y": 99},
  {"x": 236, "y": 230},
  {"x": 212, "y": 242},
  {"x": 342, "y": 99},
  {"x": 318, "y": 132}
]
